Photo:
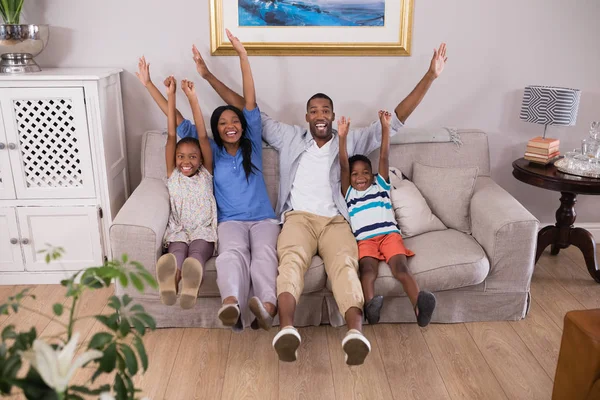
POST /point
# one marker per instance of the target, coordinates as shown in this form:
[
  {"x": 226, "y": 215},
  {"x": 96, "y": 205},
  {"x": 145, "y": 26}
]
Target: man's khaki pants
[{"x": 304, "y": 235}]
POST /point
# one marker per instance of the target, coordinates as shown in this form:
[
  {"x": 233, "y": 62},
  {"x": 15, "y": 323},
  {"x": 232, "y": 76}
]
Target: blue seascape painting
[{"x": 311, "y": 12}]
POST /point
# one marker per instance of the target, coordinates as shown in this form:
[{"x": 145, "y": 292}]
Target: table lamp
[{"x": 549, "y": 105}]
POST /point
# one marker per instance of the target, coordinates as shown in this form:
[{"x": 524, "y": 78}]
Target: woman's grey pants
[{"x": 247, "y": 262}]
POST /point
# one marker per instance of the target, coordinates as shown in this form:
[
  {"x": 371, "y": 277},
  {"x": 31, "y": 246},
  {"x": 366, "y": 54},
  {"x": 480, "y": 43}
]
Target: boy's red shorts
[{"x": 383, "y": 247}]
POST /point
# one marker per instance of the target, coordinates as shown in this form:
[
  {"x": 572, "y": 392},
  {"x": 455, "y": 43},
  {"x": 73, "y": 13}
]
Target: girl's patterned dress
[{"x": 193, "y": 208}]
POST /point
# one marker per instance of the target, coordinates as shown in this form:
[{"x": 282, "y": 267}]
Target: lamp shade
[{"x": 550, "y": 105}]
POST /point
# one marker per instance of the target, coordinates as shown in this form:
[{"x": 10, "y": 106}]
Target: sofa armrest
[
  {"x": 508, "y": 234},
  {"x": 140, "y": 225}
]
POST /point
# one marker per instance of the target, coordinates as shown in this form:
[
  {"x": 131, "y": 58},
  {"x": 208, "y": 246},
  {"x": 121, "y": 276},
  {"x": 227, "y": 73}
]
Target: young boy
[{"x": 374, "y": 226}]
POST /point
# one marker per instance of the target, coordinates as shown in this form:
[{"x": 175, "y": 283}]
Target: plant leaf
[
  {"x": 136, "y": 281},
  {"x": 109, "y": 321},
  {"x": 138, "y": 325},
  {"x": 126, "y": 299},
  {"x": 137, "y": 308},
  {"x": 124, "y": 327},
  {"x": 8, "y": 333},
  {"x": 114, "y": 302},
  {"x": 85, "y": 390},
  {"x": 130, "y": 359},
  {"x": 100, "y": 340},
  {"x": 120, "y": 387},
  {"x": 141, "y": 350},
  {"x": 147, "y": 319},
  {"x": 123, "y": 279},
  {"x": 58, "y": 309},
  {"x": 109, "y": 359}
]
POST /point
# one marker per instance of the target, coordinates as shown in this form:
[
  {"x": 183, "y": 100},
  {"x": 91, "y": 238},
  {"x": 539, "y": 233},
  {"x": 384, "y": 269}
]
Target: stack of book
[{"x": 542, "y": 151}]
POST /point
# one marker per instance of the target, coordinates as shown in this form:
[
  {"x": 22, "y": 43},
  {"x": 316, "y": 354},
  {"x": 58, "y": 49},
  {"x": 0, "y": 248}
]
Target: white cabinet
[
  {"x": 63, "y": 170},
  {"x": 11, "y": 257}
]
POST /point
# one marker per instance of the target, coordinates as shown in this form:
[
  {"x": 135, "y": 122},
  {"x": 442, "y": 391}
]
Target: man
[{"x": 312, "y": 208}]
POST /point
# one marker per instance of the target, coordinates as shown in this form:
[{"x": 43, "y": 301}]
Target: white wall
[{"x": 495, "y": 48}]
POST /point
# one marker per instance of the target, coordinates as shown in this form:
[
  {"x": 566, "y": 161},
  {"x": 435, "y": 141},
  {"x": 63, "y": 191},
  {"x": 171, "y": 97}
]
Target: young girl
[
  {"x": 374, "y": 225},
  {"x": 247, "y": 228},
  {"x": 191, "y": 231}
]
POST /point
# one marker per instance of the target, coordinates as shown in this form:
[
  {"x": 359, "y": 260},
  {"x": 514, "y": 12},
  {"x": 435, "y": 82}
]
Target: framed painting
[{"x": 313, "y": 27}]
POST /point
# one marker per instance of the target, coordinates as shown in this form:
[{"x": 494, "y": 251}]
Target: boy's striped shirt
[{"x": 371, "y": 212}]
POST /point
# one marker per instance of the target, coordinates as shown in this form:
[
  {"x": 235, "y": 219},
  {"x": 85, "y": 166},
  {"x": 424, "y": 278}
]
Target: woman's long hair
[{"x": 245, "y": 143}]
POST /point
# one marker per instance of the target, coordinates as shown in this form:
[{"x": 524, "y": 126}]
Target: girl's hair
[
  {"x": 190, "y": 140},
  {"x": 245, "y": 143}
]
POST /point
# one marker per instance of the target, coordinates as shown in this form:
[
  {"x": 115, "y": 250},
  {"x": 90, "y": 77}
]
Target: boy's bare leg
[
  {"x": 369, "y": 268},
  {"x": 423, "y": 301},
  {"x": 399, "y": 267}
]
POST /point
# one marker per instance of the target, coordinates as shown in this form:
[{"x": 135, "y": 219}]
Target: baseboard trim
[
  {"x": 34, "y": 278},
  {"x": 592, "y": 227}
]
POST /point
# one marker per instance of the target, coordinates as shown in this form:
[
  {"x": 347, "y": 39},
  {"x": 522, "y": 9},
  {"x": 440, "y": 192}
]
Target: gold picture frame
[{"x": 220, "y": 45}]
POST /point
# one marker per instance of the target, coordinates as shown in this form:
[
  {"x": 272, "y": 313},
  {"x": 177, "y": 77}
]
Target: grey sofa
[{"x": 479, "y": 277}]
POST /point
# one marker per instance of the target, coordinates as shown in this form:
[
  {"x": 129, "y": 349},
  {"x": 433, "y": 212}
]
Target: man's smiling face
[{"x": 320, "y": 115}]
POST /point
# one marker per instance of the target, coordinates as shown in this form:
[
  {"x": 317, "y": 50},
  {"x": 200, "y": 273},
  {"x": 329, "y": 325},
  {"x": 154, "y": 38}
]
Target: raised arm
[
  {"x": 171, "y": 85},
  {"x": 143, "y": 75},
  {"x": 247, "y": 79},
  {"x": 190, "y": 91},
  {"x": 343, "y": 127},
  {"x": 410, "y": 103},
  {"x": 384, "y": 152},
  {"x": 229, "y": 96}
]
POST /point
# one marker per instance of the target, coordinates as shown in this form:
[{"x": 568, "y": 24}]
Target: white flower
[{"x": 56, "y": 367}]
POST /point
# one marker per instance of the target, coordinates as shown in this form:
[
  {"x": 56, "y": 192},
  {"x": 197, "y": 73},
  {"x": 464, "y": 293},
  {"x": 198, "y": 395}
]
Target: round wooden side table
[{"x": 562, "y": 234}]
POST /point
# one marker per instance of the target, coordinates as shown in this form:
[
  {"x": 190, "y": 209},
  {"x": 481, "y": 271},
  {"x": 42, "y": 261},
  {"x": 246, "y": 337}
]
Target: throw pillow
[
  {"x": 412, "y": 213},
  {"x": 396, "y": 176},
  {"x": 448, "y": 192}
]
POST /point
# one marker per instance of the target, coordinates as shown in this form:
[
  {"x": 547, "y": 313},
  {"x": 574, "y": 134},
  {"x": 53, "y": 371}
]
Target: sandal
[
  {"x": 191, "y": 277},
  {"x": 166, "y": 269},
  {"x": 229, "y": 314}
]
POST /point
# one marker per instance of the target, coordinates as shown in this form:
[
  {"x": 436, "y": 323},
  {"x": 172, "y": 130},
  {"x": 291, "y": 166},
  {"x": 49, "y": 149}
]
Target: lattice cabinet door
[
  {"x": 50, "y": 146},
  {"x": 7, "y": 189},
  {"x": 75, "y": 229},
  {"x": 11, "y": 258}
]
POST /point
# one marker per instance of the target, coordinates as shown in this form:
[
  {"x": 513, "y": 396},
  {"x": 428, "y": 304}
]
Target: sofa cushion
[
  {"x": 448, "y": 193},
  {"x": 412, "y": 213},
  {"x": 443, "y": 260},
  {"x": 314, "y": 279}
]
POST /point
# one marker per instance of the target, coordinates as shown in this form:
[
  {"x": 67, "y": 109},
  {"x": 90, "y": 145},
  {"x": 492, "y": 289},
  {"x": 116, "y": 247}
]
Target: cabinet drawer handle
[
  {"x": 12, "y": 146},
  {"x": 25, "y": 241},
  {"x": 14, "y": 241},
  {"x": 2, "y": 146}
]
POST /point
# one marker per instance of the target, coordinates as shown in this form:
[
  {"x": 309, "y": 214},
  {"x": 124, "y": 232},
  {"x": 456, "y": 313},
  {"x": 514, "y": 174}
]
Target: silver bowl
[{"x": 19, "y": 44}]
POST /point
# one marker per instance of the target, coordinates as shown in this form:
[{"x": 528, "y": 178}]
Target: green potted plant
[
  {"x": 42, "y": 368},
  {"x": 11, "y": 11},
  {"x": 19, "y": 43}
]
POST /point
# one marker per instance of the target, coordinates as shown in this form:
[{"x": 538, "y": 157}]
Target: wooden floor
[{"x": 490, "y": 360}]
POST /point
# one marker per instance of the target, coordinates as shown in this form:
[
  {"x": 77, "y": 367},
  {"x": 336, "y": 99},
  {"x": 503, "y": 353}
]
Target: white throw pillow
[{"x": 412, "y": 213}]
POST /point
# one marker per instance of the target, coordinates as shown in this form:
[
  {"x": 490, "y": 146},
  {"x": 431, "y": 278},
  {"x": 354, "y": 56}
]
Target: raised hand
[
  {"x": 438, "y": 61},
  {"x": 343, "y": 127},
  {"x": 188, "y": 88},
  {"x": 200, "y": 64},
  {"x": 171, "y": 84},
  {"x": 143, "y": 73},
  {"x": 385, "y": 117},
  {"x": 237, "y": 45}
]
